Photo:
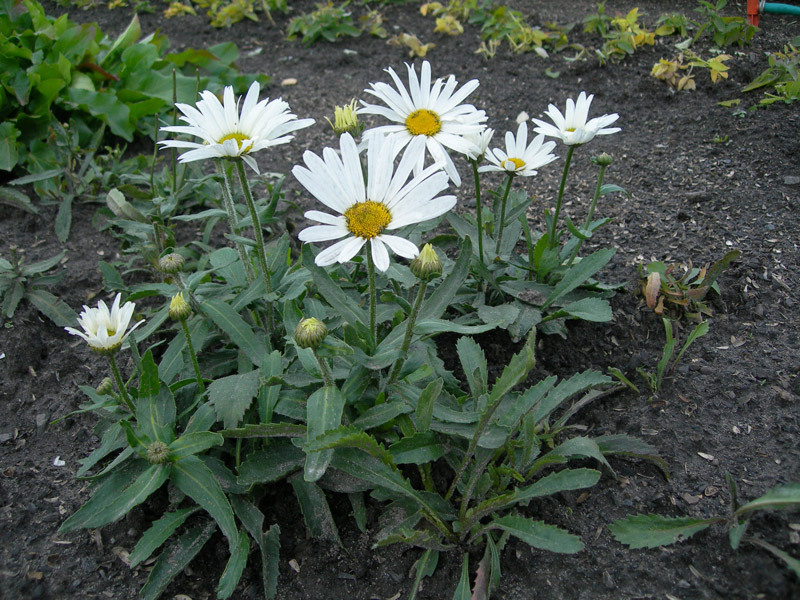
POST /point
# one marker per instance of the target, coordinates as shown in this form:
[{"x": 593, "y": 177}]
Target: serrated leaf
[
  {"x": 473, "y": 362},
  {"x": 174, "y": 559},
  {"x": 233, "y": 395},
  {"x": 323, "y": 413},
  {"x": 566, "y": 389},
  {"x": 381, "y": 414},
  {"x": 17, "y": 199},
  {"x": 110, "y": 503},
  {"x": 580, "y": 446},
  {"x": 240, "y": 333},
  {"x": 416, "y": 449},
  {"x": 462, "y": 589},
  {"x": 782, "y": 496},
  {"x": 579, "y": 273},
  {"x": 790, "y": 560},
  {"x": 191, "y": 476},
  {"x": 315, "y": 509},
  {"x": 52, "y": 307},
  {"x": 539, "y": 534},
  {"x": 235, "y": 567},
  {"x": 425, "y": 404},
  {"x": 651, "y": 531},
  {"x": 268, "y": 542},
  {"x": 274, "y": 462},
  {"x": 596, "y": 310},
  {"x": 266, "y": 430},
  {"x": 157, "y": 534},
  {"x": 193, "y": 443},
  {"x": 332, "y": 293}
]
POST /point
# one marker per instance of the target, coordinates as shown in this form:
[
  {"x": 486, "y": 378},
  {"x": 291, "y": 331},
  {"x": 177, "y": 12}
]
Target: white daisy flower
[
  {"x": 387, "y": 201},
  {"x": 432, "y": 112},
  {"x": 481, "y": 140},
  {"x": 572, "y": 127},
  {"x": 520, "y": 158},
  {"x": 103, "y": 330},
  {"x": 226, "y": 133}
]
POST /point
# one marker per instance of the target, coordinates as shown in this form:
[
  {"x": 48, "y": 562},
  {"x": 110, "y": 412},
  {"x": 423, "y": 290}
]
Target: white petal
[
  {"x": 379, "y": 254},
  {"x": 400, "y": 246}
]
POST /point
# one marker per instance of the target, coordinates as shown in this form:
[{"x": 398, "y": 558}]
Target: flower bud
[
  {"x": 179, "y": 309},
  {"x": 171, "y": 263},
  {"x": 157, "y": 453},
  {"x": 106, "y": 387},
  {"x": 427, "y": 265},
  {"x": 602, "y": 160},
  {"x": 345, "y": 119},
  {"x": 310, "y": 333}
]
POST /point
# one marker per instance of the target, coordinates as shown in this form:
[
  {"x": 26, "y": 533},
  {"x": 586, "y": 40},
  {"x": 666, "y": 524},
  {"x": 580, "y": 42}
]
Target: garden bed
[{"x": 703, "y": 179}]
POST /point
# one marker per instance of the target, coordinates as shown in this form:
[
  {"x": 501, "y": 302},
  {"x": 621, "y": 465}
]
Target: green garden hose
[{"x": 777, "y": 8}]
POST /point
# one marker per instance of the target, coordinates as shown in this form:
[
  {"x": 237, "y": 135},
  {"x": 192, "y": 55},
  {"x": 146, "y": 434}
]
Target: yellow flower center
[
  {"x": 240, "y": 139},
  {"x": 367, "y": 219},
  {"x": 111, "y": 332},
  {"x": 518, "y": 162},
  {"x": 571, "y": 129},
  {"x": 423, "y": 122}
]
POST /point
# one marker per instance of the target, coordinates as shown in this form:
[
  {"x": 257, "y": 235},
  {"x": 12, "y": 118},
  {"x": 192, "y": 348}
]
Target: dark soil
[{"x": 703, "y": 179}]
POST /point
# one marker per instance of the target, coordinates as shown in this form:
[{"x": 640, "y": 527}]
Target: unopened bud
[
  {"x": 171, "y": 263},
  {"x": 602, "y": 160},
  {"x": 106, "y": 387},
  {"x": 345, "y": 119},
  {"x": 426, "y": 265},
  {"x": 179, "y": 309},
  {"x": 310, "y": 333},
  {"x": 157, "y": 453}
]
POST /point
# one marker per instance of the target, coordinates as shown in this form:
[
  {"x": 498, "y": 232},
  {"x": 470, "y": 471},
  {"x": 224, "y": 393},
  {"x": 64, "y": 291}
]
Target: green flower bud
[
  {"x": 345, "y": 119},
  {"x": 602, "y": 160},
  {"x": 310, "y": 333},
  {"x": 171, "y": 263},
  {"x": 106, "y": 387},
  {"x": 427, "y": 265},
  {"x": 179, "y": 309},
  {"x": 157, "y": 453}
]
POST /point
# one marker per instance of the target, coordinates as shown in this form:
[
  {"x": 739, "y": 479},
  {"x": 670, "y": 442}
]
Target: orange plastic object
[{"x": 752, "y": 12}]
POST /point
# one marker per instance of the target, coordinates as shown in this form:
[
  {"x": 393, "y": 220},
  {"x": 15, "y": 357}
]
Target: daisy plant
[
  {"x": 228, "y": 134},
  {"x": 573, "y": 129},
  {"x": 481, "y": 141},
  {"x": 430, "y": 111},
  {"x": 385, "y": 200},
  {"x": 105, "y": 330}
]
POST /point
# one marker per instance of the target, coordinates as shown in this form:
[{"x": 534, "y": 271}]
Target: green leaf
[
  {"x": 52, "y": 307},
  {"x": 268, "y": 542},
  {"x": 323, "y": 413},
  {"x": 627, "y": 445},
  {"x": 110, "y": 503},
  {"x": 425, "y": 404},
  {"x": 424, "y": 567},
  {"x": 538, "y": 534},
  {"x": 332, "y": 293},
  {"x": 9, "y": 148},
  {"x": 17, "y": 199},
  {"x": 235, "y": 567},
  {"x": 500, "y": 316},
  {"x": 315, "y": 509},
  {"x": 579, "y": 273},
  {"x": 782, "y": 496},
  {"x": 462, "y": 589},
  {"x": 174, "y": 559},
  {"x": 191, "y": 476},
  {"x": 473, "y": 362},
  {"x": 651, "y": 531},
  {"x": 517, "y": 369},
  {"x": 155, "y": 407},
  {"x": 274, "y": 462},
  {"x": 266, "y": 430},
  {"x": 579, "y": 447},
  {"x": 233, "y": 395},
  {"x": 63, "y": 222},
  {"x": 192, "y": 443},
  {"x": 237, "y": 329},
  {"x": 157, "y": 534},
  {"x": 566, "y": 389},
  {"x": 596, "y": 310},
  {"x": 416, "y": 449},
  {"x": 790, "y": 560},
  {"x": 381, "y": 414}
]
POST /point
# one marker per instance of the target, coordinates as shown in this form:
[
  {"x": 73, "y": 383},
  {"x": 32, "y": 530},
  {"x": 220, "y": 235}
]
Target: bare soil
[{"x": 703, "y": 179}]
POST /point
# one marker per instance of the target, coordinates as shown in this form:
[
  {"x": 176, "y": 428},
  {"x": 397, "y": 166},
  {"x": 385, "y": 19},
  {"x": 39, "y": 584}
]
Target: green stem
[
  {"x": 412, "y": 319},
  {"x": 327, "y": 378},
  {"x": 590, "y": 214},
  {"x": 478, "y": 207},
  {"x": 373, "y": 325},
  {"x": 192, "y": 353},
  {"x": 262, "y": 254},
  {"x": 502, "y": 224},
  {"x": 174, "y": 122},
  {"x": 230, "y": 208},
  {"x": 121, "y": 384},
  {"x": 551, "y": 234}
]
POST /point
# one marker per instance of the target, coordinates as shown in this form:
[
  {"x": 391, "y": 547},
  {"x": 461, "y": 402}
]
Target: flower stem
[
  {"x": 121, "y": 384},
  {"x": 327, "y": 378},
  {"x": 551, "y": 234},
  {"x": 412, "y": 318},
  {"x": 590, "y": 214},
  {"x": 373, "y": 325},
  {"x": 260, "y": 250},
  {"x": 478, "y": 207},
  {"x": 502, "y": 225},
  {"x": 192, "y": 353},
  {"x": 227, "y": 201}
]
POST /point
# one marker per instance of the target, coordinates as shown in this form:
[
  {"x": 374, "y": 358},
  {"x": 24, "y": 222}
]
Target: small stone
[
  {"x": 41, "y": 422},
  {"x": 608, "y": 581},
  {"x": 791, "y": 180}
]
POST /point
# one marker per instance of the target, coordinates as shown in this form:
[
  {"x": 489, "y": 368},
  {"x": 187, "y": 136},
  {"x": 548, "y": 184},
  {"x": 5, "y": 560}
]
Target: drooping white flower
[
  {"x": 228, "y": 133},
  {"x": 519, "y": 157},
  {"x": 572, "y": 127},
  {"x": 105, "y": 330},
  {"x": 481, "y": 140},
  {"x": 432, "y": 112},
  {"x": 387, "y": 201}
]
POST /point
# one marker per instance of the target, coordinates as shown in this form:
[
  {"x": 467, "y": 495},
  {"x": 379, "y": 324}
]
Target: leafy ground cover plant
[
  {"x": 725, "y": 31},
  {"x": 781, "y": 75}
]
